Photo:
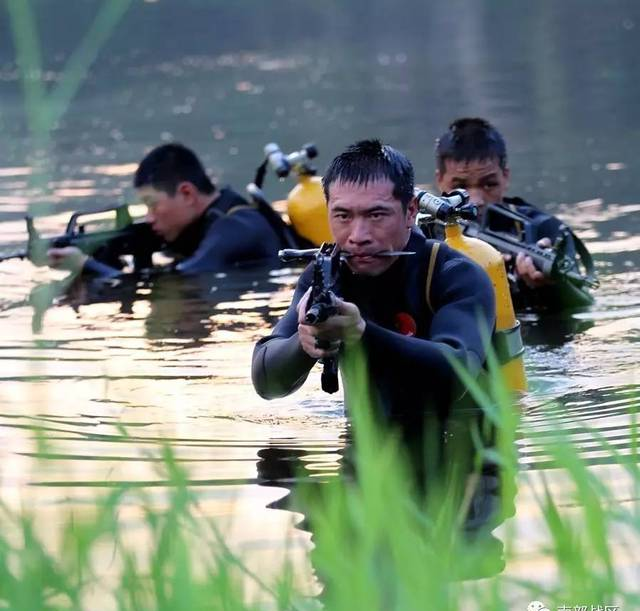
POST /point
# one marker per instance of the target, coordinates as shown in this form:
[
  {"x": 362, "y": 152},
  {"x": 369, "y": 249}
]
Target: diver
[
  {"x": 408, "y": 312},
  {"x": 472, "y": 155},
  {"x": 203, "y": 227},
  {"x": 411, "y": 304}
]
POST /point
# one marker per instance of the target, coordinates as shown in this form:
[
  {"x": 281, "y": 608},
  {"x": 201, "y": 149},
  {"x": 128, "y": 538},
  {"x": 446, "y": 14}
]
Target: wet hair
[
  {"x": 471, "y": 139},
  {"x": 368, "y": 161},
  {"x": 166, "y": 166}
]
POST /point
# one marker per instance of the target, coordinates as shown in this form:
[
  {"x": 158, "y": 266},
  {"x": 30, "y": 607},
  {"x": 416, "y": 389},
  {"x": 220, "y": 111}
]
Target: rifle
[
  {"x": 327, "y": 261},
  {"x": 126, "y": 237},
  {"x": 567, "y": 260}
]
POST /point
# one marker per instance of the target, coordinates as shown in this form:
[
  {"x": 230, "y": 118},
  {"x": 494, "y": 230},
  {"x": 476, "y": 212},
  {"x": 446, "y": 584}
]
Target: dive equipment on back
[
  {"x": 305, "y": 203},
  {"x": 452, "y": 209}
]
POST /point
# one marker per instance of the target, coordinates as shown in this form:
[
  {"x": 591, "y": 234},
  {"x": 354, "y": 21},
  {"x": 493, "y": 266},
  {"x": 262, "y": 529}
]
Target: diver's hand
[
  {"x": 325, "y": 339},
  {"x": 528, "y": 272},
  {"x": 69, "y": 258}
]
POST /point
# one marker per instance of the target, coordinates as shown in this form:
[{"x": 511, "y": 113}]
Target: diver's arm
[
  {"x": 555, "y": 294},
  {"x": 279, "y": 365},
  {"x": 546, "y": 229},
  {"x": 93, "y": 267},
  {"x": 106, "y": 261},
  {"x": 71, "y": 258}
]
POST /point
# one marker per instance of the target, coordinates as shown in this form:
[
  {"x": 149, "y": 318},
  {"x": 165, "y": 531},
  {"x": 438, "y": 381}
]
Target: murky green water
[{"x": 561, "y": 82}]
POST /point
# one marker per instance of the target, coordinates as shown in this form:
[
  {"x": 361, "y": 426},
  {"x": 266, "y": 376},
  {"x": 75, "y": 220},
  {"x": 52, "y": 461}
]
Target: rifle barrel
[{"x": 14, "y": 255}]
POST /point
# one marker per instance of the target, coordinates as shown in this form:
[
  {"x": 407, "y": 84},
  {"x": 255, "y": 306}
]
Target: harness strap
[
  {"x": 432, "y": 263},
  {"x": 585, "y": 258},
  {"x": 237, "y": 208},
  {"x": 282, "y": 230}
]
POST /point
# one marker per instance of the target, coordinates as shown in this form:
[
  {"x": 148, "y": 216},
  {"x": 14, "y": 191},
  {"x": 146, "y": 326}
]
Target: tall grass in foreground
[
  {"x": 45, "y": 104},
  {"x": 380, "y": 544}
]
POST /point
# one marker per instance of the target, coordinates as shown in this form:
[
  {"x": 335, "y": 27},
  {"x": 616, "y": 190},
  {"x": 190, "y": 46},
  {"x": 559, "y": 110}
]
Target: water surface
[{"x": 106, "y": 383}]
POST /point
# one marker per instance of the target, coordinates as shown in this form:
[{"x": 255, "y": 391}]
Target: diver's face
[
  {"x": 484, "y": 179},
  {"x": 169, "y": 214},
  {"x": 366, "y": 220}
]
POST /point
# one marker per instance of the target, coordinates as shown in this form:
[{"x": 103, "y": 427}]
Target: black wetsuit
[
  {"x": 411, "y": 374},
  {"x": 230, "y": 232}
]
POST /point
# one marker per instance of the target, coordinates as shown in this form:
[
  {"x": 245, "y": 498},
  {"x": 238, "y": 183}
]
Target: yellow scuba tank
[
  {"x": 307, "y": 209},
  {"x": 507, "y": 339}
]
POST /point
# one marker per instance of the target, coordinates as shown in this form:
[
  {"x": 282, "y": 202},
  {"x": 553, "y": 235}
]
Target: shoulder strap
[
  {"x": 237, "y": 208},
  {"x": 518, "y": 224},
  {"x": 431, "y": 265},
  {"x": 213, "y": 211}
]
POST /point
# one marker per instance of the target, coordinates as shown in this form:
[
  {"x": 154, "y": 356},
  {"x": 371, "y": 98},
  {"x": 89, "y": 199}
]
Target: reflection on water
[
  {"x": 106, "y": 387},
  {"x": 104, "y": 382}
]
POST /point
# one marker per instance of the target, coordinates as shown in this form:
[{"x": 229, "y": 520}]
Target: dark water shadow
[
  {"x": 295, "y": 470},
  {"x": 179, "y": 306},
  {"x": 551, "y": 330}
]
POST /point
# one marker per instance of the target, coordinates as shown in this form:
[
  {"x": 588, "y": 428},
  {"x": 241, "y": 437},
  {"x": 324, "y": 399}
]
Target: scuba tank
[
  {"x": 507, "y": 340},
  {"x": 305, "y": 205},
  {"x": 307, "y": 209}
]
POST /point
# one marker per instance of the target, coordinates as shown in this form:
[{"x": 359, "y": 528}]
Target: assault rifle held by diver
[
  {"x": 560, "y": 262},
  {"x": 125, "y": 238},
  {"x": 321, "y": 305},
  {"x": 327, "y": 263}
]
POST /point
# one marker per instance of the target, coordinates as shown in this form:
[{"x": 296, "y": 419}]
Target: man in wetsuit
[
  {"x": 204, "y": 228},
  {"x": 411, "y": 314},
  {"x": 472, "y": 155}
]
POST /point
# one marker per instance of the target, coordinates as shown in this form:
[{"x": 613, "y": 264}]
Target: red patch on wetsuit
[{"x": 405, "y": 324}]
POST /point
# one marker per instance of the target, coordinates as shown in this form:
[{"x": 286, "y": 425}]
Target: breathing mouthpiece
[{"x": 288, "y": 255}]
